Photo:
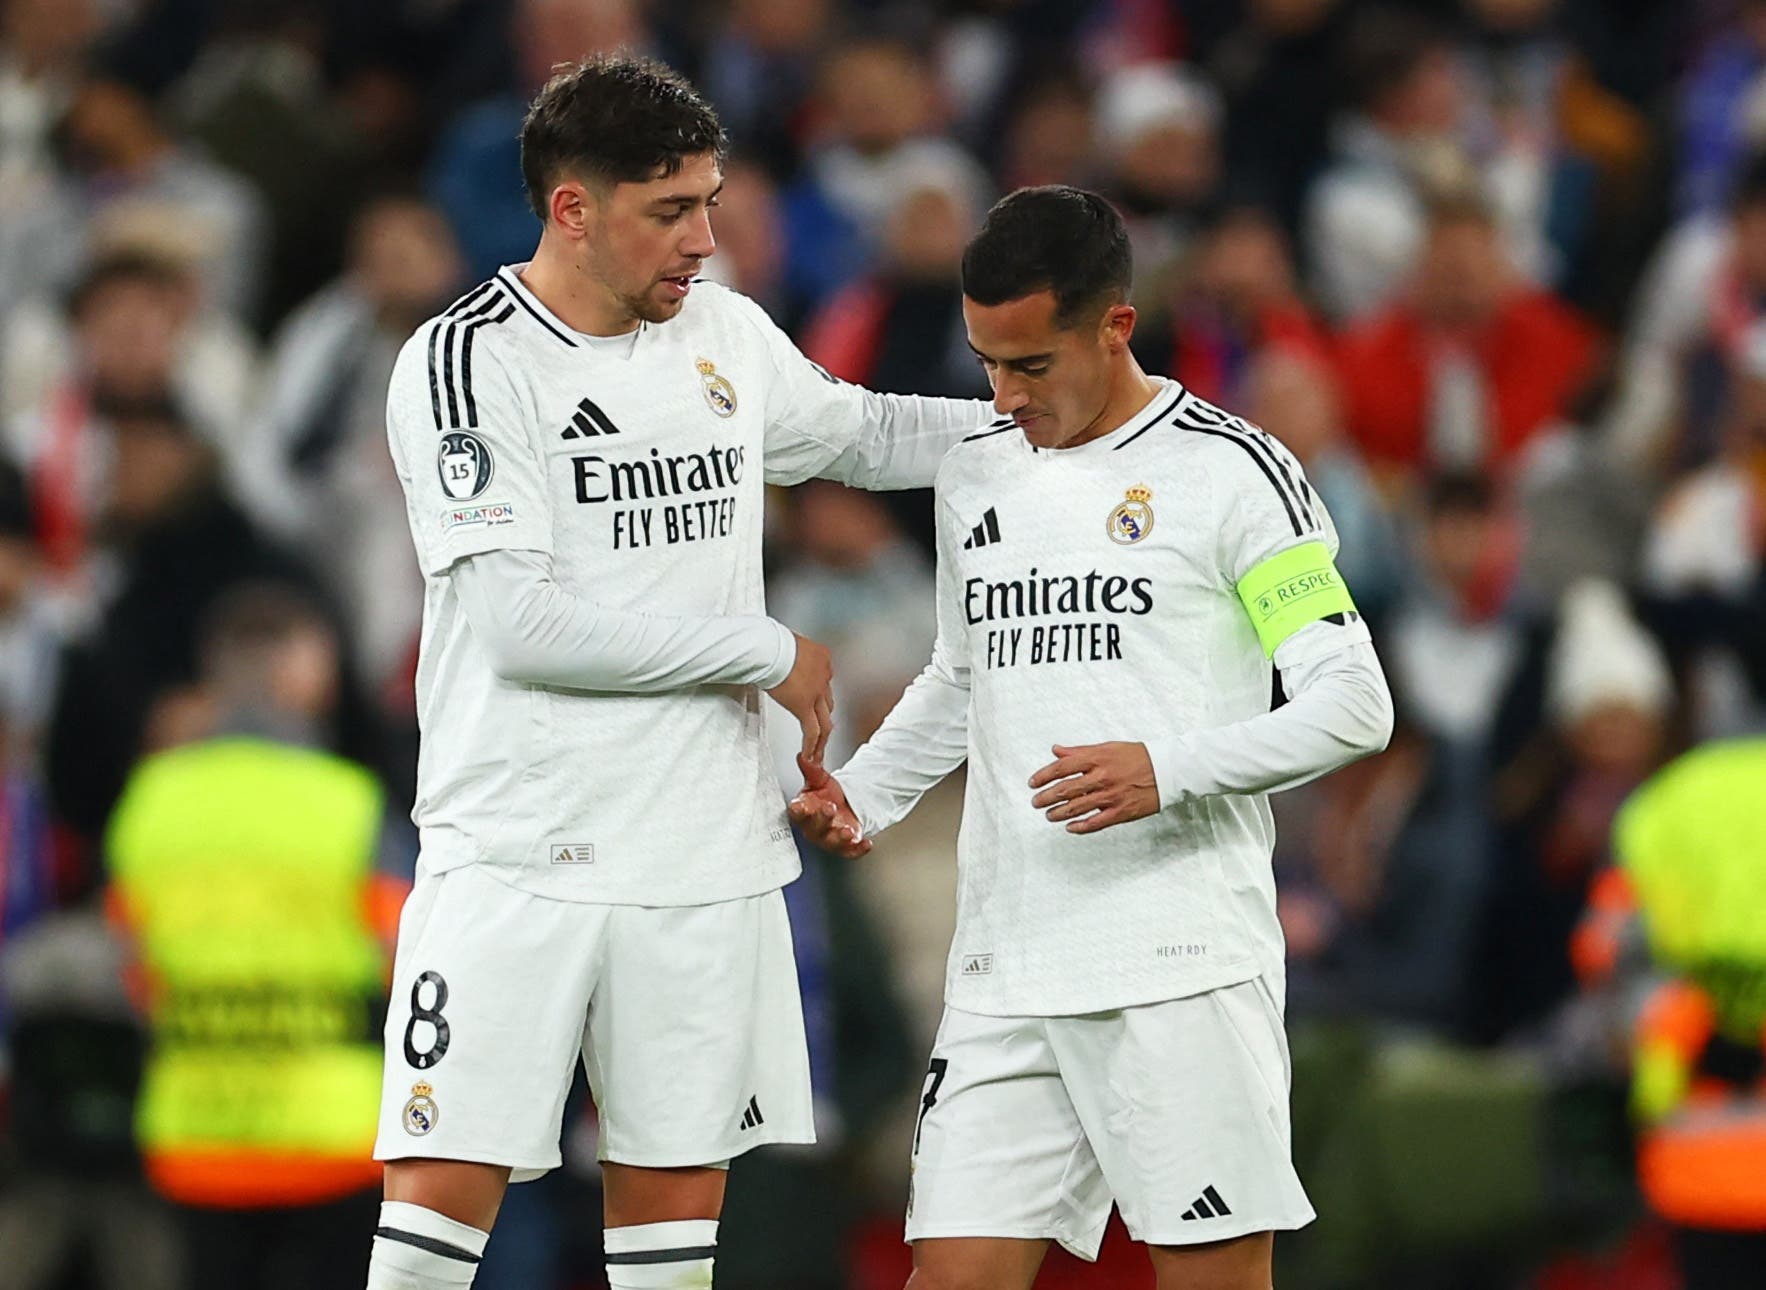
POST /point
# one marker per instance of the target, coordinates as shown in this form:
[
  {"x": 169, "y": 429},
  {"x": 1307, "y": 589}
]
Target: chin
[{"x": 653, "y": 310}]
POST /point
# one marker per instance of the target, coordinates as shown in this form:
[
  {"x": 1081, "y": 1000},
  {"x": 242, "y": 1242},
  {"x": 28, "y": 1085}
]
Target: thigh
[
  {"x": 1186, "y": 1105},
  {"x": 489, "y": 990},
  {"x": 694, "y": 1044},
  {"x": 1244, "y": 1263},
  {"x": 999, "y": 1150},
  {"x": 976, "y": 1263}
]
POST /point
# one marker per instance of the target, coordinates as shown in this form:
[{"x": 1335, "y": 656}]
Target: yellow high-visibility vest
[{"x": 243, "y": 866}]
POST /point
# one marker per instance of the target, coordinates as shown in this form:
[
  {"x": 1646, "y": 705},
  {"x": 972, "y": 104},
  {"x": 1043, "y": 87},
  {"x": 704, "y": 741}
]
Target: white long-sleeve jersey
[
  {"x": 1132, "y": 588},
  {"x": 631, "y": 470}
]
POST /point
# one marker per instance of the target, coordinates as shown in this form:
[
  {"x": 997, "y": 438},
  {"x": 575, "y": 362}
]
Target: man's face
[
  {"x": 1053, "y": 381},
  {"x": 646, "y": 242}
]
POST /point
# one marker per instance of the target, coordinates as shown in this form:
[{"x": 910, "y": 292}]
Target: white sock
[
  {"x": 661, "y": 1256},
  {"x": 418, "y": 1249}
]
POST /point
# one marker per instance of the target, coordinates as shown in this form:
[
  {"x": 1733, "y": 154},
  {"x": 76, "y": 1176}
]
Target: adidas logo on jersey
[
  {"x": 1208, "y": 1205},
  {"x": 986, "y": 532},
  {"x": 588, "y": 421},
  {"x": 752, "y": 1118}
]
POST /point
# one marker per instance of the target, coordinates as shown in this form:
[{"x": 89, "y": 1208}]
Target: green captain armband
[{"x": 1290, "y": 590}]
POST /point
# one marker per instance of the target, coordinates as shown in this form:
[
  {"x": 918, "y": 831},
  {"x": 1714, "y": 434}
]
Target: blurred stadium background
[{"x": 1494, "y": 269}]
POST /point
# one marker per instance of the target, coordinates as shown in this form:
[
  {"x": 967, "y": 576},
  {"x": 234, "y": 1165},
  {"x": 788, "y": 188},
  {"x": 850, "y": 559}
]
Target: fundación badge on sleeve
[
  {"x": 421, "y": 1112},
  {"x": 719, "y": 393},
  {"x": 1132, "y": 519}
]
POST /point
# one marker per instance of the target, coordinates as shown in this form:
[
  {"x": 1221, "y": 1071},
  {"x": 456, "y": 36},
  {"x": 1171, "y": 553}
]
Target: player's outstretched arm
[{"x": 818, "y": 426}]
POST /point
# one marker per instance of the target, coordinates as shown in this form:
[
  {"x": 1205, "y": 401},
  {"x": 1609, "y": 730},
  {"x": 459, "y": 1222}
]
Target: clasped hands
[{"x": 1089, "y": 786}]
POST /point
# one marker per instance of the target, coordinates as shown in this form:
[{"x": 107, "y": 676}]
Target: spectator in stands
[
  {"x": 1048, "y": 135},
  {"x": 1450, "y": 622},
  {"x": 1691, "y": 319},
  {"x": 256, "y": 98},
  {"x": 134, "y": 330},
  {"x": 474, "y": 171},
  {"x": 900, "y": 328},
  {"x": 1702, "y": 561},
  {"x": 30, "y": 632},
  {"x": 1240, "y": 301},
  {"x": 244, "y": 865},
  {"x": 1366, "y": 213},
  {"x": 1462, "y": 373},
  {"x": 1278, "y": 72},
  {"x": 878, "y": 116},
  {"x": 1719, "y": 106},
  {"x": 764, "y": 70},
  {"x": 132, "y": 168},
  {"x": 1595, "y": 693},
  {"x": 1158, "y": 146},
  {"x": 320, "y": 473},
  {"x": 74, "y": 1199},
  {"x": 41, "y": 42},
  {"x": 178, "y": 542},
  {"x": 750, "y": 231}
]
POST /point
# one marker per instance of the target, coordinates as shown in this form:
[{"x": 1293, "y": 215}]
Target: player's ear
[
  {"x": 572, "y": 209},
  {"x": 1117, "y": 327}
]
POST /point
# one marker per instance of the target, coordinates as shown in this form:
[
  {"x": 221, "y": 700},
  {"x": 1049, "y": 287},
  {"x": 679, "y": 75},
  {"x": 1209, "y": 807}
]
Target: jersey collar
[
  {"x": 1170, "y": 394},
  {"x": 510, "y": 276}
]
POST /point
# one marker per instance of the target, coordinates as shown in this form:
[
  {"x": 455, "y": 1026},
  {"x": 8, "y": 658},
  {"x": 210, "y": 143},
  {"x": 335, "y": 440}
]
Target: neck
[
  {"x": 1130, "y": 392},
  {"x": 580, "y": 302}
]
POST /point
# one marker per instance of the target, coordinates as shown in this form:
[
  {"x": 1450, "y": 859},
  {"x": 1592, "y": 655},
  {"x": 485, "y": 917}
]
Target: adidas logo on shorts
[
  {"x": 1208, "y": 1205},
  {"x": 752, "y": 1118}
]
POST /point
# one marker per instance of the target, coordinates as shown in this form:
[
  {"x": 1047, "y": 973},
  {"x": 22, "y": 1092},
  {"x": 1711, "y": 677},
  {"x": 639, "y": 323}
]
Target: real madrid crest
[
  {"x": 719, "y": 393},
  {"x": 421, "y": 1112},
  {"x": 1132, "y": 519}
]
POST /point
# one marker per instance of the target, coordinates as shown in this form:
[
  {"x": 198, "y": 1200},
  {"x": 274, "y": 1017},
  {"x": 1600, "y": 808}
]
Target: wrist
[
  {"x": 1169, "y": 757},
  {"x": 784, "y": 655}
]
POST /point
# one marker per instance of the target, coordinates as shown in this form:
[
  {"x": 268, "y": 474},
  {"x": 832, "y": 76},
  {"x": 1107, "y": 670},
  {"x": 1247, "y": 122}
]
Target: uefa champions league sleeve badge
[
  {"x": 464, "y": 463},
  {"x": 421, "y": 1113}
]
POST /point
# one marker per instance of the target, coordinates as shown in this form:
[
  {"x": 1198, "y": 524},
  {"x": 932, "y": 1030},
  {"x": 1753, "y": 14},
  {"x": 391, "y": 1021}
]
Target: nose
[
  {"x": 699, "y": 243},
  {"x": 1009, "y": 393}
]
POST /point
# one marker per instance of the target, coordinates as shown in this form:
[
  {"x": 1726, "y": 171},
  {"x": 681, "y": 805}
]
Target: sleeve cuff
[
  {"x": 785, "y": 658},
  {"x": 1170, "y": 758}
]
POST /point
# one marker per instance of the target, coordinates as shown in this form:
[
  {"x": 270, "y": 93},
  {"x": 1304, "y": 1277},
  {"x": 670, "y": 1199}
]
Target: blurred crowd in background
[{"x": 1495, "y": 270}]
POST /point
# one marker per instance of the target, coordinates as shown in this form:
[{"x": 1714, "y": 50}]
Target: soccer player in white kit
[
  {"x": 1118, "y": 569},
  {"x": 583, "y": 443}
]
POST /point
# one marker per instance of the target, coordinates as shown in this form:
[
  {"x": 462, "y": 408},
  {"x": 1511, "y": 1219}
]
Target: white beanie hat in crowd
[
  {"x": 1149, "y": 96},
  {"x": 1602, "y": 657}
]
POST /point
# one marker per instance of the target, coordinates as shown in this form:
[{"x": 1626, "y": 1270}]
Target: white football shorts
[
  {"x": 1178, "y": 1111},
  {"x": 687, "y": 1019}
]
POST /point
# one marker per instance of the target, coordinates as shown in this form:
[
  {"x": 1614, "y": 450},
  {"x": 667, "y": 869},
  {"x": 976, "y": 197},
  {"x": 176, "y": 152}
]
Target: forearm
[
  {"x": 1339, "y": 710},
  {"x": 922, "y": 740},
  {"x": 903, "y": 438},
  {"x": 537, "y": 633}
]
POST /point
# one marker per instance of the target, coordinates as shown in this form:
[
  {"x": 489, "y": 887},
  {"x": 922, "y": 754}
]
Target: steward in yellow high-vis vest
[
  {"x": 245, "y": 871},
  {"x": 1691, "y": 845}
]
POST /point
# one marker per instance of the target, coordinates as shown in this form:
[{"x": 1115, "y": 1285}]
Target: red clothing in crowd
[{"x": 1533, "y": 357}]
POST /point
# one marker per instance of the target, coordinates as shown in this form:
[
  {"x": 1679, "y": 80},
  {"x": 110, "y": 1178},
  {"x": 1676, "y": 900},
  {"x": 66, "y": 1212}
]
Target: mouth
[
  {"x": 677, "y": 285},
  {"x": 1027, "y": 421}
]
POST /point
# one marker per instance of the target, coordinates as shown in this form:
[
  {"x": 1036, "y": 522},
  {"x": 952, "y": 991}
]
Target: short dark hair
[
  {"x": 615, "y": 119},
  {"x": 1054, "y": 238}
]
